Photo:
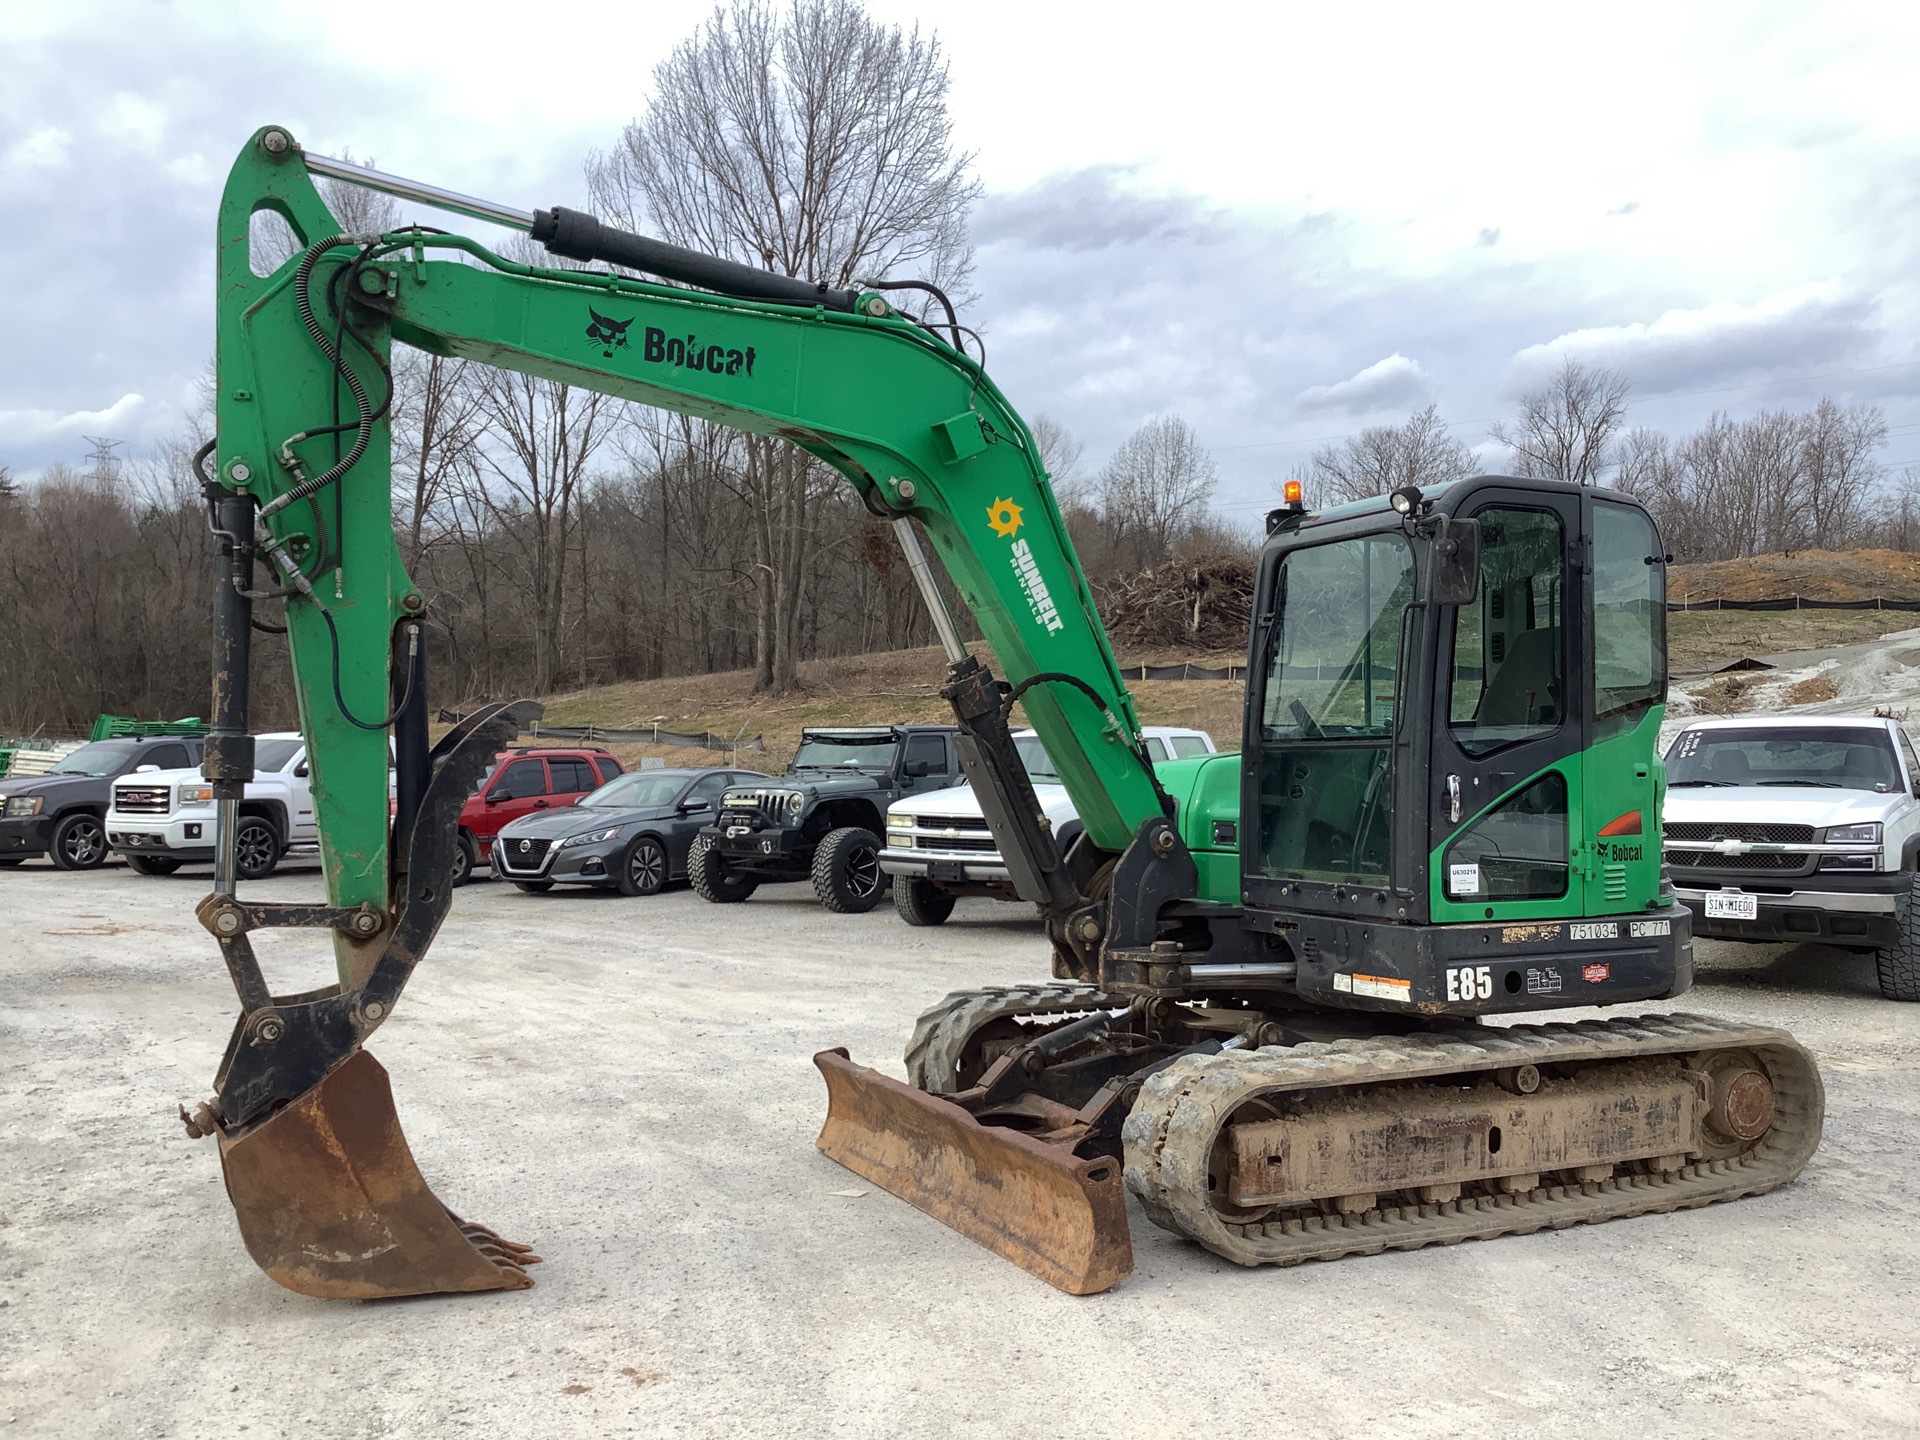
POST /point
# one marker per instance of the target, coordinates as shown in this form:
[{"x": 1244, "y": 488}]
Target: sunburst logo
[{"x": 1003, "y": 516}]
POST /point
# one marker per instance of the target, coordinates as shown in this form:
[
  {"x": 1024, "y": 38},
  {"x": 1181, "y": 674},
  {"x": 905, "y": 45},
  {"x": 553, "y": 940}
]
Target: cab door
[{"x": 1510, "y": 720}]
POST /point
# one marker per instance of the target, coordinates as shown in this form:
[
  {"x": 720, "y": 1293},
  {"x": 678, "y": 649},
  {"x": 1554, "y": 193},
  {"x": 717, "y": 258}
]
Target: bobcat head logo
[{"x": 609, "y": 335}]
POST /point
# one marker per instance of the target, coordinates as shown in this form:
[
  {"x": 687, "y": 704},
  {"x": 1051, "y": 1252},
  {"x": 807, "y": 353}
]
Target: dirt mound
[
  {"x": 1201, "y": 603},
  {"x": 1810, "y": 574}
]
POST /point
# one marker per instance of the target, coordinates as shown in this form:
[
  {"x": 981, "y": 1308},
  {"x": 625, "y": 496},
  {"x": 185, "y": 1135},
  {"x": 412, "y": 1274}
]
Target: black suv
[
  {"x": 823, "y": 822},
  {"x": 63, "y": 812}
]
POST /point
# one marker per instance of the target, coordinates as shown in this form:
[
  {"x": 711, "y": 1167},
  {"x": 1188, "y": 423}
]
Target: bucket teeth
[
  {"x": 1053, "y": 1214},
  {"x": 331, "y": 1204}
]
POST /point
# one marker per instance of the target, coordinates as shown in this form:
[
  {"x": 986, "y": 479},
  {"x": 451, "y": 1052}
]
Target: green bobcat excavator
[{"x": 1272, "y": 970}]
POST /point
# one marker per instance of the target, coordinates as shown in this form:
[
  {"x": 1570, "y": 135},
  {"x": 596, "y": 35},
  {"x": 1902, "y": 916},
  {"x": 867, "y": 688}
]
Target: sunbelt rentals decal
[{"x": 1003, "y": 518}]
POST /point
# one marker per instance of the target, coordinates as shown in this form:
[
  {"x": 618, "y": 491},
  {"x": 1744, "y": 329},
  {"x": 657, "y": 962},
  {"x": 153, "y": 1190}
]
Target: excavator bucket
[
  {"x": 331, "y": 1204},
  {"x": 1056, "y": 1216}
]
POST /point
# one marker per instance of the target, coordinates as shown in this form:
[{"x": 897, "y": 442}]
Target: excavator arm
[{"x": 299, "y": 497}]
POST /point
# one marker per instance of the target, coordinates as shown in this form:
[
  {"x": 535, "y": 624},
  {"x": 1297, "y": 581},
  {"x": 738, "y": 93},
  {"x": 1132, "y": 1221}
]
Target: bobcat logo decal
[{"x": 609, "y": 335}]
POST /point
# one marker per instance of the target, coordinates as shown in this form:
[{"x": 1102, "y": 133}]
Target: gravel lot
[{"x": 627, "y": 1083}]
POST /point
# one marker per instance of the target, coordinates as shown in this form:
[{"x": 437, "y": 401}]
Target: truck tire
[
  {"x": 153, "y": 864},
  {"x": 1899, "y": 963},
  {"x": 921, "y": 902},
  {"x": 642, "y": 867},
  {"x": 711, "y": 880},
  {"x": 846, "y": 871},
  {"x": 79, "y": 842},
  {"x": 256, "y": 848},
  {"x": 463, "y": 860}
]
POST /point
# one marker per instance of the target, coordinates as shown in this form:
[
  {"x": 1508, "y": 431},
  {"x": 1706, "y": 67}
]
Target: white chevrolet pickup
[
  {"x": 939, "y": 847},
  {"x": 1800, "y": 828},
  {"x": 162, "y": 820}
]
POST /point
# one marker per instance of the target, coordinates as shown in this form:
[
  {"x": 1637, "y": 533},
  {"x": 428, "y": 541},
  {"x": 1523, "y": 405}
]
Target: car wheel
[
  {"x": 1899, "y": 964},
  {"x": 153, "y": 864},
  {"x": 711, "y": 879},
  {"x": 79, "y": 842},
  {"x": 463, "y": 860},
  {"x": 643, "y": 867},
  {"x": 256, "y": 848},
  {"x": 921, "y": 902},
  {"x": 846, "y": 871}
]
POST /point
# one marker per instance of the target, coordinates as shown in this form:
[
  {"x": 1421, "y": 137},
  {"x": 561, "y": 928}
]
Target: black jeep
[{"x": 824, "y": 821}]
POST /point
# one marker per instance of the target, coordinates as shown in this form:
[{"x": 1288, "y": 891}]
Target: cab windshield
[{"x": 836, "y": 752}]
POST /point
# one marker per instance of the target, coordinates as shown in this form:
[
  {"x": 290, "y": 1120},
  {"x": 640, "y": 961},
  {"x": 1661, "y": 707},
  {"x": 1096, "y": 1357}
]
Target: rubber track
[
  {"x": 1171, "y": 1131},
  {"x": 941, "y": 1034}
]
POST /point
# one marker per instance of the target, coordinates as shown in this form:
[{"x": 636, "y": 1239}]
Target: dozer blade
[
  {"x": 331, "y": 1204},
  {"x": 1055, "y": 1216}
]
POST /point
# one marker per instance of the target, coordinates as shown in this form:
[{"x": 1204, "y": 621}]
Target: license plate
[{"x": 1733, "y": 907}]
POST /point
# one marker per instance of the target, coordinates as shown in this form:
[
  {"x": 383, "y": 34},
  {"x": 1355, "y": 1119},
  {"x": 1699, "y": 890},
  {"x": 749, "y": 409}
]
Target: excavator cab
[{"x": 1463, "y": 781}]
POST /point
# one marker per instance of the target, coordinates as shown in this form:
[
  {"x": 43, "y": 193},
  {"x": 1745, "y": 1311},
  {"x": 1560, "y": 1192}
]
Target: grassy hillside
[
  {"x": 1811, "y": 574},
  {"x": 895, "y": 685}
]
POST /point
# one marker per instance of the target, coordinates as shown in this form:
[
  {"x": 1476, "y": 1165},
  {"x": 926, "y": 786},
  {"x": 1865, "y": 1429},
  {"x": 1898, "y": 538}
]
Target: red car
[{"x": 524, "y": 781}]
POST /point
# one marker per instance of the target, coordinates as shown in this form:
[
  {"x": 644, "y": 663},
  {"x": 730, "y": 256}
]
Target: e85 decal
[{"x": 1470, "y": 982}]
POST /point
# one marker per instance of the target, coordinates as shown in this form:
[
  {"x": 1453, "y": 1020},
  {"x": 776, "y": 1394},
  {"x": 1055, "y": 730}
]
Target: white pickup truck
[
  {"x": 1800, "y": 828},
  {"x": 939, "y": 847},
  {"x": 163, "y": 819}
]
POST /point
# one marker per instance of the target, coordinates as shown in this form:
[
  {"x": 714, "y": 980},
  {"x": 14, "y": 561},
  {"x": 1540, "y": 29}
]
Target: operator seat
[{"x": 1525, "y": 690}]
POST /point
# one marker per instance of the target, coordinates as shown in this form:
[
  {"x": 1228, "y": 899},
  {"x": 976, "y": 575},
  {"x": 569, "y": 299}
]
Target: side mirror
[
  {"x": 1456, "y": 562},
  {"x": 144, "y": 769},
  {"x": 695, "y": 807},
  {"x": 919, "y": 769},
  {"x": 300, "y": 770},
  {"x": 494, "y": 797}
]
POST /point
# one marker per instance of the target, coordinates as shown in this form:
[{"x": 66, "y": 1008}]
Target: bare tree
[
  {"x": 1060, "y": 455},
  {"x": 1156, "y": 485},
  {"x": 1565, "y": 429},
  {"x": 1837, "y": 469},
  {"x": 1418, "y": 451},
  {"x": 816, "y": 142}
]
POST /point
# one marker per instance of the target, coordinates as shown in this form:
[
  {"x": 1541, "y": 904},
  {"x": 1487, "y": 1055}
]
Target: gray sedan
[{"x": 632, "y": 834}]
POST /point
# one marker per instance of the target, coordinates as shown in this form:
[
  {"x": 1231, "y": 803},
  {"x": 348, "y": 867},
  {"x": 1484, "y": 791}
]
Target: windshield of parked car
[
  {"x": 834, "y": 752},
  {"x": 103, "y": 757},
  {"x": 1828, "y": 757},
  {"x": 272, "y": 755},
  {"x": 1033, "y": 755},
  {"x": 636, "y": 790}
]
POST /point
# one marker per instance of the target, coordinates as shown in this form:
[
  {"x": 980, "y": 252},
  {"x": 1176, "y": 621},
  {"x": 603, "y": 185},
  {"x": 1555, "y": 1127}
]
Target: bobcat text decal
[{"x": 659, "y": 348}]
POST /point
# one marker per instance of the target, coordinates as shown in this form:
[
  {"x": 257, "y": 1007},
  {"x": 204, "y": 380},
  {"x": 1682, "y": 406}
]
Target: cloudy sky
[{"x": 1282, "y": 221}]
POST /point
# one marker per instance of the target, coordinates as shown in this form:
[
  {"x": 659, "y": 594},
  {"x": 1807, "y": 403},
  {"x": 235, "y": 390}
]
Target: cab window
[
  {"x": 1517, "y": 850},
  {"x": 928, "y": 750},
  {"x": 1629, "y": 616},
  {"x": 1509, "y": 678}
]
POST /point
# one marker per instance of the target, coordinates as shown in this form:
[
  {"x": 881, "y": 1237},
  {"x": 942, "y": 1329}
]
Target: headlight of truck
[
  {"x": 194, "y": 795},
  {"x": 18, "y": 805},
  {"x": 796, "y": 802},
  {"x": 1868, "y": 834},
  {"x": 592, "y": 837}
]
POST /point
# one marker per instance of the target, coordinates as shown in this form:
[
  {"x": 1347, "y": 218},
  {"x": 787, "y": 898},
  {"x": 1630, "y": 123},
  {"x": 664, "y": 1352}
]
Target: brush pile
[{"x": 1201, "y": 602}]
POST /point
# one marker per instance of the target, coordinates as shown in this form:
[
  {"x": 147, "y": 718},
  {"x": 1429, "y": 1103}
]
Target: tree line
[{"x": 1774, "y": 482}]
